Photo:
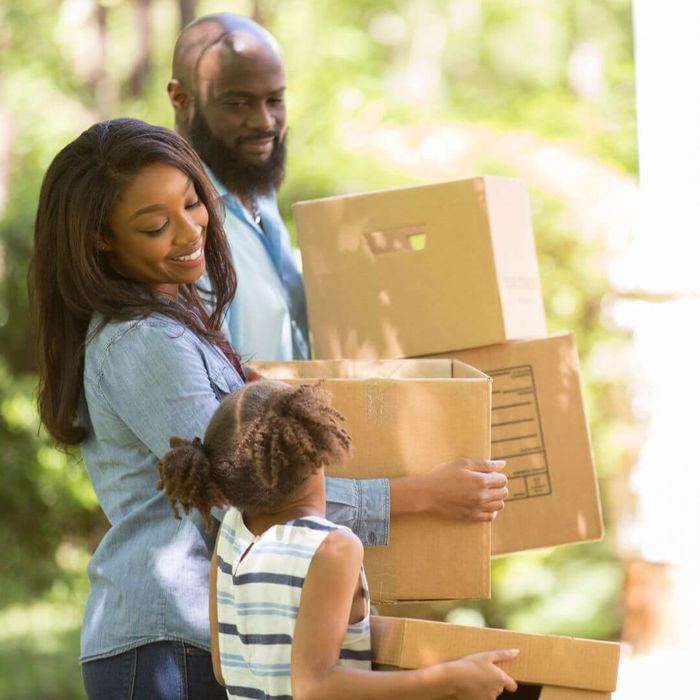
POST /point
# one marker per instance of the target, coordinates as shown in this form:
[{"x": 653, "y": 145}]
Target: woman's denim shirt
[{"x": 145, "y": 381}]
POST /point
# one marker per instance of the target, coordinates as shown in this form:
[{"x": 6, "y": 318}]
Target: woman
[
  {"x": 291, "y": 617},
  {"x": 130, "y": 354}
]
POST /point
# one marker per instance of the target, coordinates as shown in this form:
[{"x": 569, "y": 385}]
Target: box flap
[
  {"x": 461, "y": 370},
  {"x": 368, "y": 369}
]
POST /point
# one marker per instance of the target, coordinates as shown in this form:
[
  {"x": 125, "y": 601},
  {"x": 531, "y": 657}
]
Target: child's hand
[
  {"x": 478, "y": 677},
  {"x": 466, "y": 489}
]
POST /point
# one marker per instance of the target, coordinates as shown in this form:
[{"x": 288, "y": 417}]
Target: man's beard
[{"x": 231, "y": 168}]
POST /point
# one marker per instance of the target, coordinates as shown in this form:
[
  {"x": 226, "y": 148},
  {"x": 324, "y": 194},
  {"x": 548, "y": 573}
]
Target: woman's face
[{"x": 157, "y": 230}]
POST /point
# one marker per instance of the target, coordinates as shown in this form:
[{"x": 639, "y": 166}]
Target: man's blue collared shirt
[{"x": 267, "y": 318}]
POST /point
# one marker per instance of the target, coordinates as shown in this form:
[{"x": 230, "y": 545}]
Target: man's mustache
[{"x": 257, "y": 136}]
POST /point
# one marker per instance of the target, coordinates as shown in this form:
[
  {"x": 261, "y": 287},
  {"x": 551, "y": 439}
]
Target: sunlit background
[{"x": 386, "y": 93}]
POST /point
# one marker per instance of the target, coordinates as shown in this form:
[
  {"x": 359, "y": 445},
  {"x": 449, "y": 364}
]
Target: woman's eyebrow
[
  {"x": 147, "y": 210},
  {"x": 157, "y": 207}
]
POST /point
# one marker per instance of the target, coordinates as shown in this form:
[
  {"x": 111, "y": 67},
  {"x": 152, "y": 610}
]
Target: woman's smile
[{"x": 193, "y": 257}]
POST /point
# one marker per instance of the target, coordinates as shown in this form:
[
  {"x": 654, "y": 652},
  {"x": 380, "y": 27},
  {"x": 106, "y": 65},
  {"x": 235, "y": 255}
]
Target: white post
[{"x": 663, "y": 266}]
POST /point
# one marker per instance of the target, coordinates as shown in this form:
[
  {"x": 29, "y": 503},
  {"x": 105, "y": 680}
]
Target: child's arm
[
  {"x": 214, "y": 619},
  {"x": 324, "y": 611}
]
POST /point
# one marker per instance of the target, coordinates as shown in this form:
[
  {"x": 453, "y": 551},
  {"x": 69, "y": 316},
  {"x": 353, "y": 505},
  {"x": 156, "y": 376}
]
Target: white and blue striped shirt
[{"x": 258, "y": 600}]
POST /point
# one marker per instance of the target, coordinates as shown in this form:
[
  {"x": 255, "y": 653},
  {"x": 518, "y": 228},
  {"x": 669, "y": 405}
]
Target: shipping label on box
[
  {"x": 561, "y": 668},
  {"x": 399, "y": 273},
  {"x": 406, "y": 416},
  {"x": 539, "y": 427}
]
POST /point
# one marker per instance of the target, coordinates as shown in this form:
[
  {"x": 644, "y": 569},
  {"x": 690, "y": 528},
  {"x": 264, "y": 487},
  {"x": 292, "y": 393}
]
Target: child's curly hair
[{"x": 260, "y": 445}]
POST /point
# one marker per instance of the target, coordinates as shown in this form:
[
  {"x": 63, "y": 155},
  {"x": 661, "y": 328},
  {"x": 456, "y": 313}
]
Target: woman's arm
[
  {"x": 362, "y": 505},
  {"x": 154, "y": 378},
  {"x": 464, "y": 489},
  {"x": 321, "y": 625}
]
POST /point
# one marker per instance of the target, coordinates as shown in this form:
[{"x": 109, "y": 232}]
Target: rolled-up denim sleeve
[{"x": 362, "y": 505}]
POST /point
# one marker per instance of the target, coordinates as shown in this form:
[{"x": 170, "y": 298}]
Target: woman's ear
[{"x": 103, "y": 244}]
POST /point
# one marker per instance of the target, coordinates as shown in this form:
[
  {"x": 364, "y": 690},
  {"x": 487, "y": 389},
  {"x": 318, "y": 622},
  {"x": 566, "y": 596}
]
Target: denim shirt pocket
[{"x": 222, "y": 376}]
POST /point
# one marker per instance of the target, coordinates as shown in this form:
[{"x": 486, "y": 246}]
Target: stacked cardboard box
[
  {"x": 548, "y": 667},
  {"x": 450, "y": 270},
  {"x": 420, "y": 270},
  {"x": 539, "y": 427}
]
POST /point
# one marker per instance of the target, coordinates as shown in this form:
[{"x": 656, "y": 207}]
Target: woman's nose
[{"x": 189, "y": 230}]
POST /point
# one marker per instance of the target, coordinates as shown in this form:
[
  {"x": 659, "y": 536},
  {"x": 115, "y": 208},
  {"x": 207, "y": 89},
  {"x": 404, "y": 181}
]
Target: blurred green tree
[{"x": 373, "y": 86}]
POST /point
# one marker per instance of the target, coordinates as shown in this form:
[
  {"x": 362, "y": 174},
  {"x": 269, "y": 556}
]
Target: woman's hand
[{"x": 473, "y": 490}]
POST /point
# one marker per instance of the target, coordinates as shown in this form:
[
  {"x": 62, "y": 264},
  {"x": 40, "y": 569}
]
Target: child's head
[{"x": 260, "y": 446}]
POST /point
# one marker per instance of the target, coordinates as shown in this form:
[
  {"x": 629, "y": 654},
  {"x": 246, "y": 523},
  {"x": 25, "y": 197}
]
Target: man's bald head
[
  {"x": 222, "y": 31},
  {"x": 228, "y": 91}
]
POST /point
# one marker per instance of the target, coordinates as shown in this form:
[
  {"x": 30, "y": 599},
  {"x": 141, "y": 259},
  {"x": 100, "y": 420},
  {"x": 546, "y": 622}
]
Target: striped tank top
[{"x": 258, "y": 600}]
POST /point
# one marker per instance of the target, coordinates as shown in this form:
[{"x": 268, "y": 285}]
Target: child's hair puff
[
  {"x": 187, "y": 476},
  {"x": 260, "y": 445}
]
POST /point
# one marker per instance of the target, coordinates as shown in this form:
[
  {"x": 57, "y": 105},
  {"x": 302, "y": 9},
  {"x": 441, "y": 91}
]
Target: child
[{"x": 291, "y": 614}]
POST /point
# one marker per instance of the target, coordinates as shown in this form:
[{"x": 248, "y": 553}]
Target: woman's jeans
[{"x": 158, "y": 671}]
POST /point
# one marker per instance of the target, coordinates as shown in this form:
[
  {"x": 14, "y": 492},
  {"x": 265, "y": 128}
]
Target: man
[{"x": 228, "y": 91}]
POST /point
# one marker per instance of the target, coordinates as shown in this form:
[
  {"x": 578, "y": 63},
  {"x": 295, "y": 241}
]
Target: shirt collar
[
  {"x": 265, "y": 201},
  {"x": 221, "y": 190}
]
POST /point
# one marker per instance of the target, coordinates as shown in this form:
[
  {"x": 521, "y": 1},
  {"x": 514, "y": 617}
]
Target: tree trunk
[
  {"x": 141, "y": 68},
  {"x": 188, "y": 9},
  {"x": 102, "y": 86},
  {"x": 5, "y": 152},
  {"x": 257, "y": 13}
]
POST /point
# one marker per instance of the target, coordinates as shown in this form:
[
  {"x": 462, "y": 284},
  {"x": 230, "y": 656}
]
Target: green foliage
[
  {"x": 498, "y": 65},
  {"x": 45, "y": 500},
  {"x": 39, "y": 640},
  {"x": 42, "y": 666}
]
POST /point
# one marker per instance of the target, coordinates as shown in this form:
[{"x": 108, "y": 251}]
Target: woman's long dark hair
[{"x": 70, "y": 278}]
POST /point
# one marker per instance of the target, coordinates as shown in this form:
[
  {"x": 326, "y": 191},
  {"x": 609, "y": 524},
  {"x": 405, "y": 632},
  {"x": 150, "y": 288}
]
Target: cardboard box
[
  {"x": 560, "y": 668},
  {"x": 405, "y": 416},
  {"x": 420, "y": 270},
  {"x": 540, "y": 428}
]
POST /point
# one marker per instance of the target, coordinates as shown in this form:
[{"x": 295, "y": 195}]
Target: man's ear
[{"x": 179, "y": 98}]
